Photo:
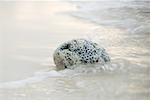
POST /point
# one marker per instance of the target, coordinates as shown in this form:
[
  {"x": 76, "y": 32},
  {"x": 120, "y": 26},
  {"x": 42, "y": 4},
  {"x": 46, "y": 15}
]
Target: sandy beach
[{"x": 30, "y": 31}]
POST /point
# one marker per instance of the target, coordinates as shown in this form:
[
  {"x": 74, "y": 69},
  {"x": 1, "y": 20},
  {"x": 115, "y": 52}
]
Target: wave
[
  {"x": 37, "y": 77},
  {"x": 114, "y": 13},
  {"x": 79, "y": 70}
]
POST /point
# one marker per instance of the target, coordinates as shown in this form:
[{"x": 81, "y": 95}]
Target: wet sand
[{"x": 30, "y": 32}]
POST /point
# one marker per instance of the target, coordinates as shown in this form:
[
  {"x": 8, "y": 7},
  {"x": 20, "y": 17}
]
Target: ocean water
[{"x": 30, "y": 31}]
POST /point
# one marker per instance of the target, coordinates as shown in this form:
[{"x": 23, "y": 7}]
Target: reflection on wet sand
[{"x": 30, "y": 32}]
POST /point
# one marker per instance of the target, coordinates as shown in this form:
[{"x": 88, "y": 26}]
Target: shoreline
[{"x": 32, "y": 40}]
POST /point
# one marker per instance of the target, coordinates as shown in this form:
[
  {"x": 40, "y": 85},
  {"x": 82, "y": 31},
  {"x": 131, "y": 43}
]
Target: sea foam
[{"x": 37, "y": 77}]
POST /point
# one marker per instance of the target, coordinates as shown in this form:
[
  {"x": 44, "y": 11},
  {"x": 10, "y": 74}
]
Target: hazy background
[{"x": 31, "y": 30}]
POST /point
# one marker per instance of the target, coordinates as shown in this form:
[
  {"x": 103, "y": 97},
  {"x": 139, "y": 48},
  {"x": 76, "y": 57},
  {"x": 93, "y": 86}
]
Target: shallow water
[{"x": 30, "y": 32}]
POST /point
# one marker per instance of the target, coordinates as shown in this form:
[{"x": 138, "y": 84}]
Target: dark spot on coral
[
  {"x": 106, "y": 60},
  {"x": 75, "y": 50},
  {"x": 75, "y": 41},
  {"x": 85, "y": 61},
  {"x": 81, "y": 60},
  {"x": 97, "y": 60},
  {"x": 61, "y": 48},
  {"x": 68, "y": 54},
  {"x": 65, "y": 66},
  {"x": 85, "y": 50},
  {"x": 67, "y": 46},
  {"x": 69, "y": 59}
]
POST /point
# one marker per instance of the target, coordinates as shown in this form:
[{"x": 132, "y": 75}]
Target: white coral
[{"x": 79, "y": 51}]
